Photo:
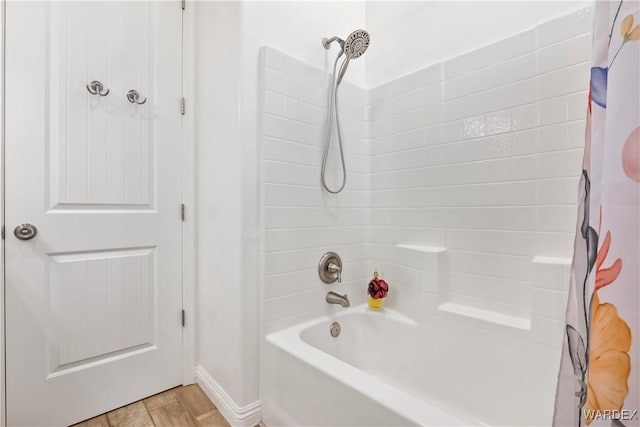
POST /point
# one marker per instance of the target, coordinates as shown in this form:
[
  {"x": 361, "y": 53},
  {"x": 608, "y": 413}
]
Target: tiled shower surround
[
  {"x": 300, "y": 220},
  {"x": 461, "y": 184}
]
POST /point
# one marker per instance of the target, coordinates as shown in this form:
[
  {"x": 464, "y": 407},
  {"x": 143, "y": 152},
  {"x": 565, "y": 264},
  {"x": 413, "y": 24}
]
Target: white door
[{"x": 94, "y": 300}]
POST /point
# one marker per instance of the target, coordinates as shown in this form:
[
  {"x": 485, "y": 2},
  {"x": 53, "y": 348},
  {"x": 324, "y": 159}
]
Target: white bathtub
[{"x": 388, "y": 370}]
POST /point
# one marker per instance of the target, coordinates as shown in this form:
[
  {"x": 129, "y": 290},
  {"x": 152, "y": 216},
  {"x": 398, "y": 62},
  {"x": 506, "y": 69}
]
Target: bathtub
[{"x": 385, "y": 369}]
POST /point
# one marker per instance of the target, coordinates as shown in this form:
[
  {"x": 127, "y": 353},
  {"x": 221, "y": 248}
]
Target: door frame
[
  {"x": 189, "y": 173},
  {"x": 3, "y": 368},
  {"x": 189, "y": 223}
]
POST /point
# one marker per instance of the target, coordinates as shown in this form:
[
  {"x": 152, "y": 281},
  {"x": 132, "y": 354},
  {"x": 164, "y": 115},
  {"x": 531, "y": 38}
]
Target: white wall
[
  {"x": 296, "y": 28},
  {"x": 408, "y": 36},
  {"x": 229, "y": 37},
  {"x": 220, "y": 292}
]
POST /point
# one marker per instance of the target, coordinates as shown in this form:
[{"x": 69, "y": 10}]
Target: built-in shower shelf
[
  {"x": 427, "y": 258},
  {"x": 551, "y": 260},
  {"x": 425, "y": 249},
  {"x": 517, "y": 322}
]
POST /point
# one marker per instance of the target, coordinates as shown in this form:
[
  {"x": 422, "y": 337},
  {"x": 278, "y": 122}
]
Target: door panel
[
  {"x": 86, "y": 290},
  {"x": 100, "y": 148},
  {"x": 93, "y": 301}
]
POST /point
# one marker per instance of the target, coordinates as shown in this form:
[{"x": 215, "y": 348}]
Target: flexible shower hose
[{"x": 333, "y": 104}]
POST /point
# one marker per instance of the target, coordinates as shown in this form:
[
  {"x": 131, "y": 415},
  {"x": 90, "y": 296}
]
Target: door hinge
[
  {"x": 3, "y": 232},
  {"x": 182, "y": 211},
  {"x": 183, "y": 106},
  {"x": 184, "y": 4},
  {"x": 184, "y": 318}
]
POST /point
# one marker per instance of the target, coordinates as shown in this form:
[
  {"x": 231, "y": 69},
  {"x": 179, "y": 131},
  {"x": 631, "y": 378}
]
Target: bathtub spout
[{"x": 334, "y": 298}]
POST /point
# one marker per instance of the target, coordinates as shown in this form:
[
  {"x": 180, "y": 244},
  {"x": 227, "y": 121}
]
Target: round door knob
[{"x": 25, "y": 231}]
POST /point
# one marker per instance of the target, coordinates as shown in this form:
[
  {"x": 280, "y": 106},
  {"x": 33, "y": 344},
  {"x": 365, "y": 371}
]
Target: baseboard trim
[{"x": 237, "y": 416}]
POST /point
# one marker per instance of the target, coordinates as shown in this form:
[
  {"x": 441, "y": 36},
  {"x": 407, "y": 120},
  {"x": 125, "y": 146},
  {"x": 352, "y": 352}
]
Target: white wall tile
[
  {"x": 554, "y": 244},
  {"x": 496, "y": 74},
  {"x": 491, "y": 289},
  {"x": 577, "y": 105},
  {"x": 525, "y": 142},
  {"x": 565, "y": 53},
  {"x": 551, "y": 304},
  {"x": 552, "y": 110},
  {"x": 280, "y": 262},
  {"x": 498, "y": 122},
  {"x": 555, "y": 164},
  {"x": 273, "y": 103},
  {"x": 561, "y": 136},
  {"x": 514, "y": 46},
  {"x": 557, "y": 191},
  {"x": 563, "y": 81},
  {"x": 547, "y": 331},
  {"x": 300, "y": 221},
  {"x": 564, "y": 28},
  {"x": 509, "y": 152},
  {"x": 524, "y": 117},
  {"x": 480, "y": 155},
  {"x": 551, "y": 275}
]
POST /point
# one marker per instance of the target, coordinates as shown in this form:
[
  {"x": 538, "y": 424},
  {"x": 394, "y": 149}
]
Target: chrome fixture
[
  {"x": 96, "y": 88},
  {"x": 354, "y": 47},
  {"x": 334, "y": 298},
  {"x": 330, "y": 268},
  {"x": 25, "y": 231},
  {"x": 335, "y": 329},
  {"x": 134, "y": 97}
]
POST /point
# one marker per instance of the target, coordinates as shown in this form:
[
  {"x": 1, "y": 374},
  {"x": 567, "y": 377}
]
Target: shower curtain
[{"x": 599, "y": 380}]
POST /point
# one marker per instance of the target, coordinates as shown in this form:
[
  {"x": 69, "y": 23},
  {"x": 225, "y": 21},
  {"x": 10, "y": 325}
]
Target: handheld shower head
[
  {"x": 354, "y": 47},
  {"x": 356, "y": 44}
]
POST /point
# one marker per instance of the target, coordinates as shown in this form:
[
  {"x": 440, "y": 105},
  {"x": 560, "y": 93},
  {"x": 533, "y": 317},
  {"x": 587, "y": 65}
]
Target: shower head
[
  {"x": 356, "y": 44},
  {"x": 354, "y": 47}
]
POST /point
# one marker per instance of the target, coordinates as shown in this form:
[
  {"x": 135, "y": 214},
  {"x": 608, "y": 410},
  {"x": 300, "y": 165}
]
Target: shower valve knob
[{"x": 330, "y": 268}]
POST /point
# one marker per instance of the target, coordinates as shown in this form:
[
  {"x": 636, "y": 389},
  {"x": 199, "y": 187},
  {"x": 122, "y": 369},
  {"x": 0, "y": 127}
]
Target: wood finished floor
[{"x": 186, "y": 406}]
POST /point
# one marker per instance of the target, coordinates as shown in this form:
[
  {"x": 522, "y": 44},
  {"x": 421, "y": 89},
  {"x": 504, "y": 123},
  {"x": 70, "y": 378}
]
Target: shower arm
[{"x": 326, "y": 42}]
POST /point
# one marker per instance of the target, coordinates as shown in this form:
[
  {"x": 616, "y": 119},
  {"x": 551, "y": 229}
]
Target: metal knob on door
[
  {"x": 25, "y": 231},
  {"x": 134, "y": 97}
]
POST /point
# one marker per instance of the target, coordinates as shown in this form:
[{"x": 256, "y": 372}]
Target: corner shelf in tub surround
[
  {"x": 425, "y": 249},
  {"x": 549, "y": 274},
  {"x": 518, "y": 322},
  {"x": 426, "y": 258},
  {"x": 551, "y": 260},
  {"x": 550, "y": 278}
]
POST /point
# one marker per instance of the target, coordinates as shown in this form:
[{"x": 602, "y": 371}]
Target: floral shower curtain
[{"x": 599, "y": 380}]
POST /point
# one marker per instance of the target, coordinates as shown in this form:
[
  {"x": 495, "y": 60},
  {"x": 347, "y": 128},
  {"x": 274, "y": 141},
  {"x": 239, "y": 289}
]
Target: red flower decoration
[{"x": 378, "y": 288}]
